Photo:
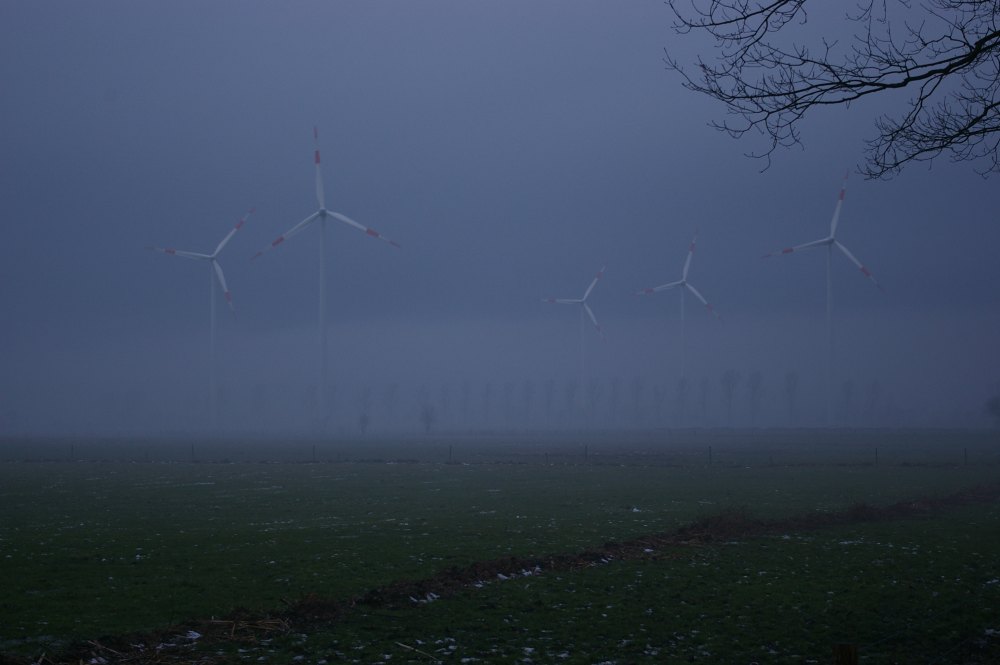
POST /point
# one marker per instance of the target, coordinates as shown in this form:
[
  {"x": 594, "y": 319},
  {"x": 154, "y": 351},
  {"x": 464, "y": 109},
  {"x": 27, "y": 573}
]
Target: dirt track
[{"x": 312, "y": 610}]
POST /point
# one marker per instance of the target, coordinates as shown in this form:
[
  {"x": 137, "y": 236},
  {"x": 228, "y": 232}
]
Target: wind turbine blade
[
  {"x": 288, "y": 234},
  {"x": 597, "y": 278},
  {"x": 703, "y": 301},
  {"x": 593, "y": 319},
  {"x": 808, "y": 245},
  {"x": 562, "y": 301},
  {"x": 662, "y": 287},
  {"x": 222, "y": 283},
  {"x": 181, "y": 253},
  {"x": 372, "y": 232},
  {"x": 320, "y": 197},
  {"x": 687, "y": 261},
  {"x": 855, "y": 261},
  {"x": 232, "y": 232},
  {"x": 840, "y": 203}
]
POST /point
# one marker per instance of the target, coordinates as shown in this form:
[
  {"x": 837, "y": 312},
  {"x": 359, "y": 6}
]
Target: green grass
[
  {"x": 916, "y": 591},
  {"x": 92, "y": 548}
]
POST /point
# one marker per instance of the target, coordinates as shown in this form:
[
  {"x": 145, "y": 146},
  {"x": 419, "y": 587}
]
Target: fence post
[{"x": 845, "y": 654}]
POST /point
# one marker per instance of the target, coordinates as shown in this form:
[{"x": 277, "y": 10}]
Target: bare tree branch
[{"x": 944, "y": 53}]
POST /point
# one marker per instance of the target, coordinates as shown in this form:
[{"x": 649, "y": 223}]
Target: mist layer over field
[{"x": 512, "y": 150}]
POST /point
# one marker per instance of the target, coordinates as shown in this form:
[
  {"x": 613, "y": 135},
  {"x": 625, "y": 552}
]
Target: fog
[{"x": 512, "y": 150}]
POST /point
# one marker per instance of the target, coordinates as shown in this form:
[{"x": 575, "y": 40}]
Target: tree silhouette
[
  {"x": 364, "y": 409},
  {"x": 427, "y": 417},
  {"x": 659, "y": 396},
  {"x": 730, "y": 379},
  {"x": 487, "y": 397},
  {"x": 755, "y": 392},
  {"x": 614, "y": 398},
  {"x": 389, "y": 400},
  {"x": 846, "y": 407},
  {"x": 792, "y": 396},
  {"x": 770, "y": 73},
  {"x": 258, "y": 404},
  {"x": 993, "y": 409},
  {"x": 703, "y": 400},
  {"x": 466, "y": 403},
  {"x": 528, "y": 397},
  {"x": 872, "y": 396},
  {"x": 638, "y": 389},
  {"x": 508, "y": 401},
  {"x": 549, "y": 390},
  {"x": 569, "y": 390},
  {"x": 445, "y": 402},
  {"x": 681, "y": 399},
  {"x": 595, "y": 392}
]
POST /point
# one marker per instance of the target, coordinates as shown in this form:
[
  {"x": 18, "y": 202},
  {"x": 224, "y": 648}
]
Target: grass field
[{"x": 103, "y": 538}]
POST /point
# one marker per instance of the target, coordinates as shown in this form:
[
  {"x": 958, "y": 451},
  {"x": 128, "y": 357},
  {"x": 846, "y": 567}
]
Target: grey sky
[{"x": 511, "y": 149}]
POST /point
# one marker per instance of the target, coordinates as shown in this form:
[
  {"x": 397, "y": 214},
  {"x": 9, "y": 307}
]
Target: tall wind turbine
[
  {"x": 829, "y": 242},
  {"x": 321, "y": 215},
  {"x": 585, "y": 312},
  {"x": 684, "y": 286},
  {"x": 214, "y": 274}
]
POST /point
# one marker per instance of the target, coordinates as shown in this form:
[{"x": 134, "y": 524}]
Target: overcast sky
[{"x": 511, "y": 149}]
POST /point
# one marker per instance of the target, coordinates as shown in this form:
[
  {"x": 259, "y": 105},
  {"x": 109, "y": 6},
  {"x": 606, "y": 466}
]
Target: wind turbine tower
[
  {"x": 830, "y": 242},
  {"x": 214, "y": 274},
  {"x": 585, "y": 312},
  {"x": 321, "y": 215},
  {"x": 684, "y": 285}
]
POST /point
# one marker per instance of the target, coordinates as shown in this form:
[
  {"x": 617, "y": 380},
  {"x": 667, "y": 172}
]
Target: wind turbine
[
  {"x": 321, "y": 215},
  {"x": 214, "y": 273},
  {"x": 684, "y": 286},
  {"x": 830, "y": 242},
  {"x": 585, "y": 311}
]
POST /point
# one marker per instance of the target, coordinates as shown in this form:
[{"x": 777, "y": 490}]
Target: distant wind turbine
[
  {"x": 585, "y": 311},
  {"x": 830, "y": 242},
  {"x": 214, "y": 274},
  {"x": 321, "y": 215},
  {"x": 684, "y": 286}
]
